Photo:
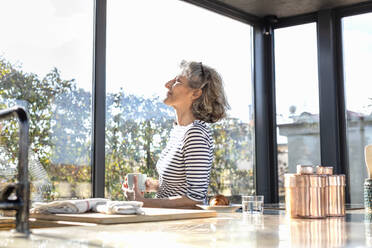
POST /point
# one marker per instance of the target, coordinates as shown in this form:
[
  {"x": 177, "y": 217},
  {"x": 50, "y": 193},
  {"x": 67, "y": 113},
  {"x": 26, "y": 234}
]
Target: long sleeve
[
  {"x": 198, "y": 156},
  {"x": 185, "y": 164}
]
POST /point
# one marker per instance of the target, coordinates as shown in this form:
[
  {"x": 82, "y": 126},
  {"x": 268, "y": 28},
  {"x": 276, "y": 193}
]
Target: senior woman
[{"x": 184, "y": 166}]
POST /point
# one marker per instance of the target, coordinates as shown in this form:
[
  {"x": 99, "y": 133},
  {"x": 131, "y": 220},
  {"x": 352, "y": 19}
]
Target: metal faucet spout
[{"x": 22, "y": 203}]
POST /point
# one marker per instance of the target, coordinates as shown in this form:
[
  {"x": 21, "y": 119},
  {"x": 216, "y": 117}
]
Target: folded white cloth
[
  {"x": 99, "y": 205},
  {"x": 67, "y": 206},
  {"x": 119, "y": 207}
]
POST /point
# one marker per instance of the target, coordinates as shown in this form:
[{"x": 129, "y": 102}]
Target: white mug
[{"x": 141, "y": 180}]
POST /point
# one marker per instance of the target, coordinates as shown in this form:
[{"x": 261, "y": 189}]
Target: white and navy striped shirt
[{"x": 185, "y": 164}]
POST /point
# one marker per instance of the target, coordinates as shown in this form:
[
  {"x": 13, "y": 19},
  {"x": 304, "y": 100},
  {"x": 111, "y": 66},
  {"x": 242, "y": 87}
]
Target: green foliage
[
  {"x": 135, "y": 136},
  {"x": 38, "y": 96},
  {"x": 233, "y": 146}
]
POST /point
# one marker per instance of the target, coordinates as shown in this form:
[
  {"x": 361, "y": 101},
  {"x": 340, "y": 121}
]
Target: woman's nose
[{"x": 169, "y": 83}]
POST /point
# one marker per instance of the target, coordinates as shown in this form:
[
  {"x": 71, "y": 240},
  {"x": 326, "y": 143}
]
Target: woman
[{"x": 184, "y": 166}]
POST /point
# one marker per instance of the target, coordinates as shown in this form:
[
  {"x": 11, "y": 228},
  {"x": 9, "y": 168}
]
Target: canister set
[{"x": 314, "y": 193}]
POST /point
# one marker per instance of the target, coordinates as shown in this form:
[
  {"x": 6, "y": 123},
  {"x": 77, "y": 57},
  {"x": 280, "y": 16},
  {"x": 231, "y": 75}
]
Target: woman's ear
[{"x": 197, "y": 93}]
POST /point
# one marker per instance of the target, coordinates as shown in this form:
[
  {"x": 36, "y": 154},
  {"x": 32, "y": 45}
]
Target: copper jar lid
[
  {"x": 305, "y": 169},
  {"x": 324, "y": 170}
]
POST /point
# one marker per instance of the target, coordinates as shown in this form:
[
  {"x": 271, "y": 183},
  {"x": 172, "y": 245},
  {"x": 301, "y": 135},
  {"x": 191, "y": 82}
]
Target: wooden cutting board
[
  {"x": 151, "y": 214},
  {"x": 7, "y": 223}
]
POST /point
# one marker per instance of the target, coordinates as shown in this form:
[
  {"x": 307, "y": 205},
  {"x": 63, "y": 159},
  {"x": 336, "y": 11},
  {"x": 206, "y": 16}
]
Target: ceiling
[{"x": 285, "y": 8}]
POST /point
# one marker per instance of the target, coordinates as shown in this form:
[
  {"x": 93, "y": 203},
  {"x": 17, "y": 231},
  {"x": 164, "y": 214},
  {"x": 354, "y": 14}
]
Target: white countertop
[{"x": 273, "y": 229}]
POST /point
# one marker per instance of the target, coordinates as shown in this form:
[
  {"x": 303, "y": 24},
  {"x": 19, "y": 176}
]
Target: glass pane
[
  {"x": 46, "y": 67},
  {"x": 297, "y": 99},
  {"x": 143, "y": 52},
  {"x": 357, "y": 53}
]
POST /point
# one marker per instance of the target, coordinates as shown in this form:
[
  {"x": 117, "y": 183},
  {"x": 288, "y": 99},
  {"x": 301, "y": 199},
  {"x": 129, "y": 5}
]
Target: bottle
[{"x": 368, "y": 195}]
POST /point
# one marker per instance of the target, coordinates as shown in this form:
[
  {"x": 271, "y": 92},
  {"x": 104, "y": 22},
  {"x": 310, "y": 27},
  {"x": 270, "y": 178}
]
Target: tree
[
  {"x": 233, "y": 146},
  {"x": 39, "y": 97},
  {"x": 136, "y": 132}
]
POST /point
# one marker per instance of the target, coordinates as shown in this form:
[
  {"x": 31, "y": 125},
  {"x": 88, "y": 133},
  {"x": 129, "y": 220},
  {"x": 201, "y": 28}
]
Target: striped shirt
[{"x": 185, "y": 164}]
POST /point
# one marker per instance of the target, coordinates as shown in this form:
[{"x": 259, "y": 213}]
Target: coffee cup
[{"x": 141, "y": 180}]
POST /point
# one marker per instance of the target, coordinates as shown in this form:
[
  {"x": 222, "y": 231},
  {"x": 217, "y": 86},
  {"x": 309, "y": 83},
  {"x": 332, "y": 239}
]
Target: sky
[
  {"x": 146, "y": 41},
  {"x": 296, "y": 70},
  {"x": 41, "y": 34},
  {"x": 151, "y": 50},
  {"x": 140, "y": 57},
  {"x": 357, "y": 52}
]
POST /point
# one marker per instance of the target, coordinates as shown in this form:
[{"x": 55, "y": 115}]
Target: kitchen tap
[{"x": 21, "y": 189}]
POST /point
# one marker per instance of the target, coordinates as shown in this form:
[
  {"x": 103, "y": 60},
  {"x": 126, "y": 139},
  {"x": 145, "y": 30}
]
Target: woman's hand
[
  {"x": 152, "y": 185},
  {"x": 174, "y": 202},
  {"x": 138, "y": 195},
  {"x": 132, "y": 194}
]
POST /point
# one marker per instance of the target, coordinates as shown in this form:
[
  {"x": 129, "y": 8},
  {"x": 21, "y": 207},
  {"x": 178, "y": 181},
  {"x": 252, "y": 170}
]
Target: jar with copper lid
[
  {"x": 317, "y": 207},
  {"x": 336, "y": 195},
  {"x": 291, "y": 195},
  {"x": 325, "y": 171},
  {"x": 303, "y": 196}
]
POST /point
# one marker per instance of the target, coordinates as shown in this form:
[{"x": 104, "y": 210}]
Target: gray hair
[{"x": 212, "y": 105}]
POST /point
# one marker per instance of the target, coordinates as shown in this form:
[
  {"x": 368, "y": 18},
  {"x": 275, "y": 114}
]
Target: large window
[
  {"x": 297, "y": 99},
  {"x": 144, "y": 50},
  {"x": 46, "y": 67},
  {"x": 357, "y": 51}
]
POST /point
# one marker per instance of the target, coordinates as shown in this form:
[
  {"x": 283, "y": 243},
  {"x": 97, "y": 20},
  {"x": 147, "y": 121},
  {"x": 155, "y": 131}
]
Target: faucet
[{"x": 22, "y": 189}]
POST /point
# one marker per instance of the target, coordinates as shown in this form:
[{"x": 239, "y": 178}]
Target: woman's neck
[{"x": 184, "y": 117}]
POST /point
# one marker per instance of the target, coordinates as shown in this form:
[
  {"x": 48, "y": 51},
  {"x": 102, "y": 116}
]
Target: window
[
  {"x": 46, "y": 67},
  {"x": 297, "y": 99},
  {"x": 143, "y": 52},
  {"x": 357, "y": 53}
]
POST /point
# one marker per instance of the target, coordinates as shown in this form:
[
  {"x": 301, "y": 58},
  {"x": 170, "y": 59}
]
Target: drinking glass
[{"x": 252, "y": 204}]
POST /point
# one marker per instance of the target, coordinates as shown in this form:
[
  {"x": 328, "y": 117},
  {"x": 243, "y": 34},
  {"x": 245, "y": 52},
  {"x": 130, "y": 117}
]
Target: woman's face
[{"x": 179, "y": 94}]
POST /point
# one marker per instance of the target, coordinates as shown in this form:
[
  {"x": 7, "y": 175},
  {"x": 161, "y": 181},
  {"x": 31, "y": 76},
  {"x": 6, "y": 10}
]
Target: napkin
[
  {"x": 67, "y": 206},
  {"x": 119, "y": 207}
]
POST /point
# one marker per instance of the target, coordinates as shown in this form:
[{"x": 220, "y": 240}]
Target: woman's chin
[{"x": 166, "y": 101}]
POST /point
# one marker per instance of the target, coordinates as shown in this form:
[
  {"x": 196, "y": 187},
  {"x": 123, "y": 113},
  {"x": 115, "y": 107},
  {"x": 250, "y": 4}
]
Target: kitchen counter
[{"x": 273, "y": 229}]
